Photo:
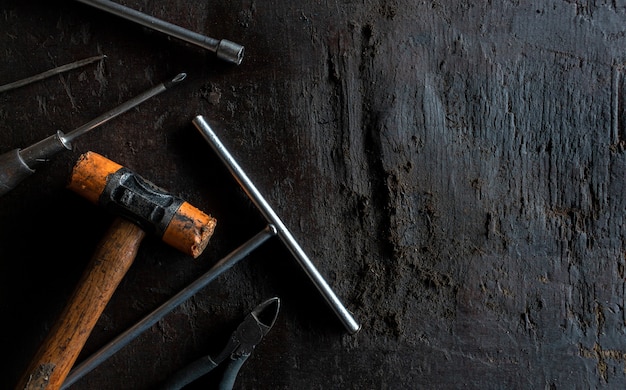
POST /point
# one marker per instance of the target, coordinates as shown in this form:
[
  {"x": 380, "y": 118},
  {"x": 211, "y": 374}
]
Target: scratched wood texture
[{"x": 455, "y": 170}]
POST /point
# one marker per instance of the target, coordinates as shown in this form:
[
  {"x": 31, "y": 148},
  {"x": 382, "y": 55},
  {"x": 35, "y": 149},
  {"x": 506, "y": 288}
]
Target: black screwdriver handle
[
  {"x": 13, "y": 170},
  {"x": 18, "y": 164}
]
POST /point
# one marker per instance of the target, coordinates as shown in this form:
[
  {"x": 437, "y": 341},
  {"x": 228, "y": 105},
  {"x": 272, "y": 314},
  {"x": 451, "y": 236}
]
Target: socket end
[{"x": 230, "y": 51}]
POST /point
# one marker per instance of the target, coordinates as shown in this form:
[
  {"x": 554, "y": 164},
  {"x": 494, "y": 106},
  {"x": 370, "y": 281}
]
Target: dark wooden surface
[{"x": 454, "y": 169}]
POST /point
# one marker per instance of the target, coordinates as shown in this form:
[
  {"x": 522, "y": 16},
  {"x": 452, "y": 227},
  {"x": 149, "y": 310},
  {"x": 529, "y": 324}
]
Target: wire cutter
[{"x": 239, "y": 347}]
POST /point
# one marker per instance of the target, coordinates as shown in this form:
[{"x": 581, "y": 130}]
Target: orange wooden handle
[
  {"x": 190, "y": 229},
  {"x": 89, "y": 176},
  {"x": 107, "y": 267}
]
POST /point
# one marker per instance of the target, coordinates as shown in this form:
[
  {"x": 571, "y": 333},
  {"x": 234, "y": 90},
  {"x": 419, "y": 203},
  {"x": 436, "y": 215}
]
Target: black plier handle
[{"x": 239, "y": 347}]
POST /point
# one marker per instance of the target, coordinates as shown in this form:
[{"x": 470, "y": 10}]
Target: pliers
[{"x": 239, "y": 347}]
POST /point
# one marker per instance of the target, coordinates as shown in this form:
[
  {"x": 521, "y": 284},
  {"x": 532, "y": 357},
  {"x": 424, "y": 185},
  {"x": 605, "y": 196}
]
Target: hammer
[{"x": 142, "y": 208}]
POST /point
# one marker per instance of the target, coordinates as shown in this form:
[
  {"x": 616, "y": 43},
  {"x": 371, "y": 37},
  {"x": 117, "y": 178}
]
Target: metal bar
[
  {"x": 18, "y": 164},
  {"x": 135, "y": 101},
  {"x": 122, "y": 340},
  {"x": 49, "y": 146},
  {"x": 51, "y": 72},
  {"x": 224, "y": 49},
  {"x": 331, "y": 298}
]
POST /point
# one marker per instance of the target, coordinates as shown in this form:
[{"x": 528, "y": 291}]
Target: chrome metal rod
[
  {"x": 122, "y": 340},
  {"x": 224, "y": 49},
  {"x": 329, "y": 295}
]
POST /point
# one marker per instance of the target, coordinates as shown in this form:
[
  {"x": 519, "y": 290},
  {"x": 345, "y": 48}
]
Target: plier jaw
[
  {"x": 240, "y": 345},
  {"x": 252, "y": 329}
]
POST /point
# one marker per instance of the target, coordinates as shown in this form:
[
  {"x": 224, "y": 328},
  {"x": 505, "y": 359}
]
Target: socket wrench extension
[{"x": 223, "y": 49}]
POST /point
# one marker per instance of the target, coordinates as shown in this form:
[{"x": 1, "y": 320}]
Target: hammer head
[{"x": 127, "y": 194}]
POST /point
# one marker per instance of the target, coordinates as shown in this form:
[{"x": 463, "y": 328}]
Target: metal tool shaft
[
  {"x": 51, "y": 72},
  {"x": 285, "y": 235},
  {"x": 119, "y": 342},
  {"x": 72, "y": 135},
  {"x": 224, "y": 49},
  {"x": 44, "y": 149},
  {"x": 16, "y": 165}
]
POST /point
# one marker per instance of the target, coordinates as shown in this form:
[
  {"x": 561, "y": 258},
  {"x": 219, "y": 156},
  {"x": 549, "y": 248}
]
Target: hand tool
[
  {"x": 51, "y": 72},
  {"x": 142, "y": 208},
  {"x": 123, "y": 339},
  {"x": 224, "y": 49},
  {"x": 223, "y": 265},
  {"x": 238, "y": 349},
  {"x": 283, "y": 233},
  {"x": 18, "y": 164}
]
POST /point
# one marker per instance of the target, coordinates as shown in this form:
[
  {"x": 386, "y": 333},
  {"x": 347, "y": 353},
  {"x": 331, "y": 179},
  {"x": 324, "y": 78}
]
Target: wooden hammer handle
[{"x": 112, "y": 259}]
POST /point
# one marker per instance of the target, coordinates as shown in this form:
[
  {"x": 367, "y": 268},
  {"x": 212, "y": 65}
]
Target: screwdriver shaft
[
  {"x": 17, "y": 164},
  {"x": 72, "y": 135}
]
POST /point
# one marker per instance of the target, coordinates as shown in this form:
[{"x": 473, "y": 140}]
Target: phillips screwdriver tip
[{"x": 177, "y": 79}]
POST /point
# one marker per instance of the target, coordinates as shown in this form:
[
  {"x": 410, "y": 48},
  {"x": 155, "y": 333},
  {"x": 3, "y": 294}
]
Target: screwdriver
[{"x": 18, "y": 164}]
